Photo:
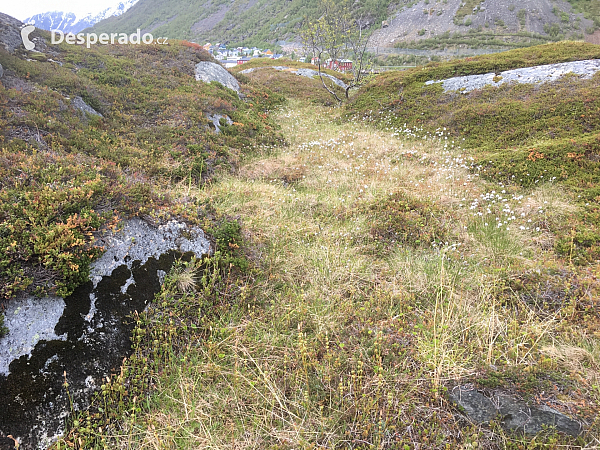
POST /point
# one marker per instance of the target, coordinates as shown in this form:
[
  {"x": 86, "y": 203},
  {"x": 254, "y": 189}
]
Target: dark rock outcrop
[
  {"x": 513, "y": 414},
  {"x": 85, "y": 335}
]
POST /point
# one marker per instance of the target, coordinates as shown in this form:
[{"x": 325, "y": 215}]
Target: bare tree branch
[{"x": 337, "y": 35}]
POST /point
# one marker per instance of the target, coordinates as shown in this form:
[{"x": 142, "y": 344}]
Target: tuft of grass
[
  {"x": 404, "y": 219},
  {"x": 184, "y": 278}
]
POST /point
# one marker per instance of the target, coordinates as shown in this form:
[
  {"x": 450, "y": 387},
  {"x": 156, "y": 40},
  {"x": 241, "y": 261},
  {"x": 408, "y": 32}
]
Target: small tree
[{"x": 335, "y": 35}]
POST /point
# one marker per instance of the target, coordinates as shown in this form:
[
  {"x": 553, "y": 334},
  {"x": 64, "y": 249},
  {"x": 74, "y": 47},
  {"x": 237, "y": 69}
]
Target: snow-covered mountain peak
[{"x": 68, "y": 22}]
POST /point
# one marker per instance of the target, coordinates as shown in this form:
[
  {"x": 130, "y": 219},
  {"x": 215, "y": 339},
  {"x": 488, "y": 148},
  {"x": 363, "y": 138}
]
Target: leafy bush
[
  {"x": 228, "y": 243},
  {"x": 404, "y": 219}
]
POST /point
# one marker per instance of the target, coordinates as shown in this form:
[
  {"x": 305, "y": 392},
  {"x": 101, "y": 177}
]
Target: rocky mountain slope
[
  {"x": 266, "y": 22},
  {"x": 69, "y": 22},
  {"x": 505, "y": 19}
]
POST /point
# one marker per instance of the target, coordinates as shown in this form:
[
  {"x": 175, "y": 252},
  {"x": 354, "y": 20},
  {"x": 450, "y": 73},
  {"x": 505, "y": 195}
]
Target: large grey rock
[
  {"x": 86, "y": 335},
  {"x": 530, "y": 75},
  {"x": 138, "y": 241},
  {"x": 208, "y": 71},
  {"x": 1, "y": 71},
  {"x": 84, "y": 107},
  {"x": 513, "y": 414}
]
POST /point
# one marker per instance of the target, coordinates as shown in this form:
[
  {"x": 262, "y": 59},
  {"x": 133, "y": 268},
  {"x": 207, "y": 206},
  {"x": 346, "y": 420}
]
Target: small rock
[
  {"x": 308, "y": 73},
  {"x": 1, "y": 71},
  {"x": 208, "y": 71},
  {"x": 84, "y": 107},
  {"x": 519, "y": 417},
  {"x": 313, "y": 73},
  {"x": 216, "y": 118}
]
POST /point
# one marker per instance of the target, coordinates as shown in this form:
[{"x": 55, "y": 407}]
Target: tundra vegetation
[
  {"x": 371, "y": 258},
  {"x": 65, "y": 175}
]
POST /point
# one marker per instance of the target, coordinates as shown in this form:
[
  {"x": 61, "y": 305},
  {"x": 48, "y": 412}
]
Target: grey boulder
[
  {"x": 476, "y": 405},
  {"x": 208, "y": 71},
  {"x": 530, "y": 75},
  {"x": 84, "y": 107},
  {"x": 513, "y": 414},
  {"x": 309, "y": 73}
]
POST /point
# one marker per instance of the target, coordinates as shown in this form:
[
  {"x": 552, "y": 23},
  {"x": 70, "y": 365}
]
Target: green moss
[
  {"x": 3, "y": 329},
  {"x": 229, "y": 242}
]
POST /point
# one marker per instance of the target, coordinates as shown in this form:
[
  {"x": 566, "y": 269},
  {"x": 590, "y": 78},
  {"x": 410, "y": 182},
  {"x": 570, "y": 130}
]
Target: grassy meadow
[{"x": 382, "y": 255}]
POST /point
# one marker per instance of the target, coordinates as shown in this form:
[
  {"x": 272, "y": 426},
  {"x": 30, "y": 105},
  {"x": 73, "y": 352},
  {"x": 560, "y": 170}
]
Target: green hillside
[
  {"x": 370, "y": 257},
  {"x": 428, "y": 24},
  {"x": 261, "y": 23},
  {"x": 406, "y": 243},
  {"x": 510, "y": 125},
  {"x": 589, "y": 8},
  {"x": 64, "y": 176}
]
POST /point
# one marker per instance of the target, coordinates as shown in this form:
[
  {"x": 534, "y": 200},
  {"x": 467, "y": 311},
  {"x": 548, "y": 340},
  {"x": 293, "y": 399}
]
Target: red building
[{"x": 342, "y": 65}]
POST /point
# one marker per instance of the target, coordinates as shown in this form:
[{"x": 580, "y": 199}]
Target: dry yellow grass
[{"x": 353, "y": 335}]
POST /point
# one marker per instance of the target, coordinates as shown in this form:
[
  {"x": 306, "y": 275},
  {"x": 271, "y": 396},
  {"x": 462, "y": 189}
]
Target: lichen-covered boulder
[{"x": 208, "y": 71}]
